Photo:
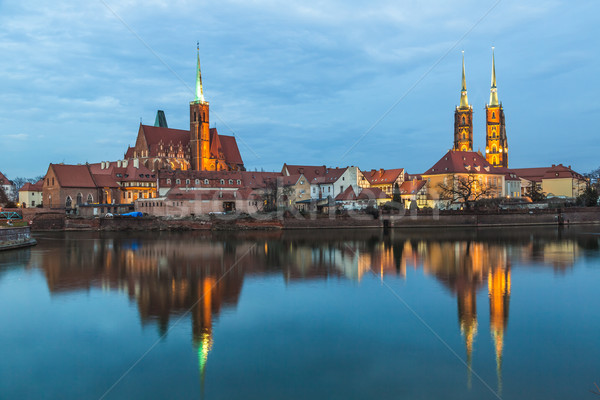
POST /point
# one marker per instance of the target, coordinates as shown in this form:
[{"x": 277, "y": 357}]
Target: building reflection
[{"x": 176, "y": 276}]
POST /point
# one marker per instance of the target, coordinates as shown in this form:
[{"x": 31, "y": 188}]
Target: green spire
[
  {"x": 493, "y": 91},
  {"x": 464, "y": 101},
  {"x": 199, "y": 92}
]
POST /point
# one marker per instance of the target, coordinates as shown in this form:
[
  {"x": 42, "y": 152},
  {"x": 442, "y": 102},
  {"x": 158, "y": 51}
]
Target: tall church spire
[
  {"x": 493, "y": 91},
  {"x": 199, "y": 91},
  {"x": 464, "y": 102}
]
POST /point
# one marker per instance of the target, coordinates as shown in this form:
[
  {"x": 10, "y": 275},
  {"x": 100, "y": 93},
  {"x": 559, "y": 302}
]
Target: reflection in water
[{"x": 171, "y": 275}]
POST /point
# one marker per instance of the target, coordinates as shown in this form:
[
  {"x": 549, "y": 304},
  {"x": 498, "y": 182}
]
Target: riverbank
[
  {"x": 50, "y": 220},
  {"x": 16, "y": 237}
]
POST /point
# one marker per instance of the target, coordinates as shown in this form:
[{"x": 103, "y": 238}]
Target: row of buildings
[{"x": 172, "y": 172}]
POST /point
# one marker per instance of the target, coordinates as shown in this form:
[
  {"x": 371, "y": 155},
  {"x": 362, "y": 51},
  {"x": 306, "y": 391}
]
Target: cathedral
[
  {"x": 496, "y": 145},
  {"x": 199, "y": 149}
]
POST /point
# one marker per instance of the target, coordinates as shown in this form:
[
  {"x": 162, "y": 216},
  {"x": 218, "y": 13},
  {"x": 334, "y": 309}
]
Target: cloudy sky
[{"x": 372, "y": 84}]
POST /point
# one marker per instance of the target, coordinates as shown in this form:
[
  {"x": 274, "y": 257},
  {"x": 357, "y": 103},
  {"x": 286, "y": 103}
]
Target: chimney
[{"x": 381, "y": 172}]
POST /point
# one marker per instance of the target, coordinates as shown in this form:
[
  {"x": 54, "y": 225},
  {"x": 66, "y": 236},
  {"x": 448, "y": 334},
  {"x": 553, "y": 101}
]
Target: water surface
[{"x": 459, "y": 314}]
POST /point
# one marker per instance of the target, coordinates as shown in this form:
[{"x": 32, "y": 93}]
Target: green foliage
[
  {"x": 589, "y": 198},
  {"x": 535, "y": 193},
  {"x": 396, "y": 194}
]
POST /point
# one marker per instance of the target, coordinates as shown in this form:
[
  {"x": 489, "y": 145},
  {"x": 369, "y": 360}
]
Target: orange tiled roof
[
  {"x": 347, "y": 195},
  {"x": 462, "y": 162},
  {"x": 383, "y": 176},
  {"x": 412, "y": 187},
  {"x": 77, "y": 176},
  {"x": 372, "y": 194}
]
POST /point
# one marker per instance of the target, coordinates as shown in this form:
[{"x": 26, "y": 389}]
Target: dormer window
[
  {"x": 239, "y": 182},
  {"x": 168, "y": 181},
  {"x": 187, "y": 181},
  {"x": 197, "y": 181},
  {"x": 178, "y": 181},
  {"x": 222, "y": 181},
  {"x": 231, "y": 181}
]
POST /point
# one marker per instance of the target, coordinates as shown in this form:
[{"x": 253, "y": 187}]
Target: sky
[{"x": 372, "y": 84}]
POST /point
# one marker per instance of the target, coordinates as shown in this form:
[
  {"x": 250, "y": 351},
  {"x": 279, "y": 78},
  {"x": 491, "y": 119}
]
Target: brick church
[{"x": 200, "y": 148}]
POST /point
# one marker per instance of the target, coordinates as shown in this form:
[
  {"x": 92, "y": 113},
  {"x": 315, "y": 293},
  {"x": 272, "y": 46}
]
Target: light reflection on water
[{"x": 195, "y": 277}]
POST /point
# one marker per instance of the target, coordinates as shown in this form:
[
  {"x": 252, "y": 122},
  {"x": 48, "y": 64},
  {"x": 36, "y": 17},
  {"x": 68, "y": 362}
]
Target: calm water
[{"x": 451, "y": 314}]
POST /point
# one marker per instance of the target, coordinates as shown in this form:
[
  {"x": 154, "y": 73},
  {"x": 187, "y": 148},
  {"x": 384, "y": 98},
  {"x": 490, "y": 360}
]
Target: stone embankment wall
[
  {"x": 14, "y": 237},
  {"x": 56, "y": 220}
]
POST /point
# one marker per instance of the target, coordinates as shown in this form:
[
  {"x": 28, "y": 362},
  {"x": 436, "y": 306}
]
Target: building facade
[
  {"x": 496, "y": 144},
  {"x": 200, "y": 148}
]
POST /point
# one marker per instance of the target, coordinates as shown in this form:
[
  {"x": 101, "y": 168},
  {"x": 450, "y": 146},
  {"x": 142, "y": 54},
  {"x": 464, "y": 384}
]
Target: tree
[
  {"x": 274, "y": 193},
  {"x": 467, "y": 189},
  {"x": 535, "y": 193},
  {"x": 396, "y": 198},
  {"x": 588, "y": 198},
  {"x": 4, "y": 200}
]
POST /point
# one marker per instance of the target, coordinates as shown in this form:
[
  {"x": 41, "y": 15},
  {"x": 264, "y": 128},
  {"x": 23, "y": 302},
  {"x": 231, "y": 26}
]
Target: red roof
[
  {"x": 77, "y": 176},
  {"x": 291, "y": 180},
  {"x": 532, "y": 174},
  {"x": 383, "y": 176},
  {"x": 248, "y": 179},
  {"x": 4, "y": 180},
  {"x": 230, "y": 150},
  {"x": 346, "y": 195},
  {"x": 372, "y": 194},
  {"x": 155, "y": 135},
  {"x": 463, "y": 162},
  {"x": 412, "y": 187},
  {"x": 553, "y": 172},
  {"x": 32, "y": 187},
  {"x": 309, "y": 171}
]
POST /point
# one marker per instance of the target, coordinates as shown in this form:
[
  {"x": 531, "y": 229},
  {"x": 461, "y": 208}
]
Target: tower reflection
[{"x": 200, "y": 275}]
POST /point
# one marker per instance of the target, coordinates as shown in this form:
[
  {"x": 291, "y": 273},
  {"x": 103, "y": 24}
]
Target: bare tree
[{"x": 467, "y": 189}]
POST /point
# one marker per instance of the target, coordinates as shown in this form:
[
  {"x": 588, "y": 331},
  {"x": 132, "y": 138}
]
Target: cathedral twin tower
[{"x": 496, "y": 145}]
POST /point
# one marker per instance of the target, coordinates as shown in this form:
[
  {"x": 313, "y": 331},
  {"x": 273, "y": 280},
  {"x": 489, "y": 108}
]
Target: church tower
[
  {"x": 496, "y": 145},
  {"x": 199, "y": 128},
  {"x": 463, "y": 119}
]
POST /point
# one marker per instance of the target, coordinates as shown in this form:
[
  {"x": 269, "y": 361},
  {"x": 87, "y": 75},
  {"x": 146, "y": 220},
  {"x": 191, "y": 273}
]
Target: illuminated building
[
  {"x": 463, "y": 119},
  {"x": 496, "y": 146},
  {"x": 499, "y": 294},
  {"x": 200, "y": 148}
]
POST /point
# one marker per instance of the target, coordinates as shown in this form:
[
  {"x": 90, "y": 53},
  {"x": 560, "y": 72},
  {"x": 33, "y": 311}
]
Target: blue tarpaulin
[{"x": 133, "y": 214}]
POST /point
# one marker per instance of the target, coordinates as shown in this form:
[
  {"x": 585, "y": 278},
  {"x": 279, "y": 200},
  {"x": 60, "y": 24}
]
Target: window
[
  {"x": 178, "y": 181},
  {"x": 231, "y": 181},
  {"x": 493, "y": 115},
  {"x": 463, "y": 120},
  {"x": 68, "y": 202},
  {"x": 197, "y": 181},
  {"x": 239, "y": 182},
  {"x": 206, "y": 181},
  {"x": 90, "y": 198},
  {"x": 222, "y": 181},
  {"x": 187, "y": 181},
  {"x": 52, "y": 181},
  {"x": 168, "y": 181},
  {"x": 79, "y": 198}
]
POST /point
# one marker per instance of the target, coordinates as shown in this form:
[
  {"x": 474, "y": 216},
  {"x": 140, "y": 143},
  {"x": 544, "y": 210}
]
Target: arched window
[
  {"x": 206, "y": 181},
  {"x": 494, "y": 149},
  {"x": 68, "y": 202},
  {"x": 493, "y": 115},
  {"x": 168, "y": 181},
  {"x": 239, "y": 182},
  {"x": 222, "y": 181},
  {"x": 463, "y": 120},
  {"x": 197, "y": 181},
  {"x": 231, "y": 181},
  {"x": 79, "y": 198},
  {"x": 187, "y": 181},
  {"x": 178, "y": 181}
]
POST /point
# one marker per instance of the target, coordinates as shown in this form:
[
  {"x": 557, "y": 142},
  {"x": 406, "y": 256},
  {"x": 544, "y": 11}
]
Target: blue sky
[{"x": 298, "y": 82}]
